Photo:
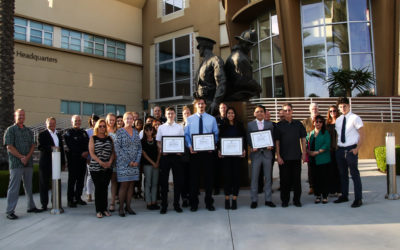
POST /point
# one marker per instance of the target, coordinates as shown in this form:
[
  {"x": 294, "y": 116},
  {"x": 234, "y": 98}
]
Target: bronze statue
[
  {"x": 240, "y": 83},
  {"x": 210, "y": 77}
]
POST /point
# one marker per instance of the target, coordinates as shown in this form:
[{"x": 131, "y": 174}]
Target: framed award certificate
[
  {"x": 173, "y": 144},
  {"x": 203, "y": 142},
  {"x": 232, "y": 146},
  {"x": 261, "y": 139}
]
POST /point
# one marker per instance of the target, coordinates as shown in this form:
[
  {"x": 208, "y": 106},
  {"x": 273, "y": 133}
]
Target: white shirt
[
  {"x": 167, "y": 129},
  {"x": 260, "y": 124},
  {"x": 353, "y": 123},
  {"x": 55, "y": 137},
  {"x": 141, "y": 134}
]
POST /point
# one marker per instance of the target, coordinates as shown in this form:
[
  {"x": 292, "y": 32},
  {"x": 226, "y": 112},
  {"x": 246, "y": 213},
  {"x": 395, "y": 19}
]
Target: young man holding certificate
[
  {"x": 170, "y": 141},
  {"x": 201, "y": 134},
  {"x": 259, "y": 133}
]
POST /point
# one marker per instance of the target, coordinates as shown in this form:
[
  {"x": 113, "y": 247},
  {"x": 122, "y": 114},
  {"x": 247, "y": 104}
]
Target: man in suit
[
  {"x": 201, "y": 123},
  {"x": 48, "y": 140},
  {"x": 260, "y": 157}
]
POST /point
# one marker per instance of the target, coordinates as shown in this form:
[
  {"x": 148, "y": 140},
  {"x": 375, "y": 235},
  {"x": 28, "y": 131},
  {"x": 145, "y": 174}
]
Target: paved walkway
[{"x": 376, "y": 225}]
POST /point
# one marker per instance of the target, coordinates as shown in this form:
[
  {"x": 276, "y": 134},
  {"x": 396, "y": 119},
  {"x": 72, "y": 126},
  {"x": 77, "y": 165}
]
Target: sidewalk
[{"x": 375, "y": 225}]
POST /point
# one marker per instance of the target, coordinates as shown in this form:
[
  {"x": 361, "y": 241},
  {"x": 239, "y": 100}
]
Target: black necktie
[
  {"x": 343, "y": 134},
  {"x": 201, "y": 125}
]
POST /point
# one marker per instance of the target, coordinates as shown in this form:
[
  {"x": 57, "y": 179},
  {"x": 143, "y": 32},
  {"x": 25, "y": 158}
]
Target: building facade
[
  {"x": 301, "y": 41},
  {"x": 77, "y": 57}
]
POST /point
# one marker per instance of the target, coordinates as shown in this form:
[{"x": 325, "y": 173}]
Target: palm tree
[
  {"x": 6, "y": 72},
  {"x": 344, "y": 81}
]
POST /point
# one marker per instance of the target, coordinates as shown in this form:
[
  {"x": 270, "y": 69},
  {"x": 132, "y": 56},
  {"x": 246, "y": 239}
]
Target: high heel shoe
[
  {"x": 234, "y": 205},
  {"x": 121, "y": 213},
  {"x": 130, "y": 211},
  {"x": 227, "y": 204}
]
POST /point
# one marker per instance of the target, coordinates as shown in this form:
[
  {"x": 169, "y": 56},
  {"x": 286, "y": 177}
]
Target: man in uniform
[
  {"x": 210, "y": 77},
  {"x": 20, "y": 146},
  {"x": 77, "y": 142}
]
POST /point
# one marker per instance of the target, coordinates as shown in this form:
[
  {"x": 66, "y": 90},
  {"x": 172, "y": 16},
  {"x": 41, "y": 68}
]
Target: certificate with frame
[
  {"x": 261, "y": 139},
  {"x": 203, "y": 142},
  {"x": 173, "y": 144},
  {"x": 232, "y": 146}
]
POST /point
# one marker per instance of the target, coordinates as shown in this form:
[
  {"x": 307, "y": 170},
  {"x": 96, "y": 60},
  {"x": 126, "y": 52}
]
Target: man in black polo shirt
[{"x": 289, "y": 134}]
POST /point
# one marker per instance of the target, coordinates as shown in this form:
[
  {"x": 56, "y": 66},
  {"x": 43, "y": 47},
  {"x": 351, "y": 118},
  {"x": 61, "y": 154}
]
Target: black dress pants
[
  {"x": 44, "y": 180},
  {"x": 201, "y": 162},
  {"x": 290, "y": 176},
  {"x": 101, "y": 179},
  {"x": 76, "y": 177},
  {"x": 168, "y": 162},
  {"x": 320, "y": 177},
  {"x": 334, "y": 175},
  {"x": 231, "y": 167},
  {"x": 186, "y": 180}
]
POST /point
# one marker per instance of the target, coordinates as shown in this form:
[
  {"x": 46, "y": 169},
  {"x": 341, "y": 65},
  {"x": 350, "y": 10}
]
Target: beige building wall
[
  {"x": 199, "y": 17},
  {"x": 41, "y": 85},
  {"x": 109, "y": 18}
]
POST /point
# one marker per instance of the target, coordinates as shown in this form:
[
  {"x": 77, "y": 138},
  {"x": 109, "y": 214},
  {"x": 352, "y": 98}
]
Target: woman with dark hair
[
  {"x": 319, "y": 142},
  {"x": 101, "y": 150},
  {"x": 231, "y": 164},
  {"x": 334, "y": 176}
]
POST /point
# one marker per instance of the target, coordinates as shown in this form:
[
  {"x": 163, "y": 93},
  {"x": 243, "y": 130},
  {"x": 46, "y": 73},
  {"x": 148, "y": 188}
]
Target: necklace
[{"x": 150, "y": 142}]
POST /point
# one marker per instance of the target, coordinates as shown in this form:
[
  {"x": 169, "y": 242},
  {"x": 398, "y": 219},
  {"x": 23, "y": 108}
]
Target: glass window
[
  {"x": 337, "y": 39},
  {"x": 120, "y": 110},
  {"x": 87, "y": 108},
  {"x": 278, "y": 81},
  {"x": 265, "y": 52},
  {"x": 267, "y": 83},
  {"x": 314, "y": 41},
  {"x": 254, "y": 56},
  {"x": 265, "y": 29},
  {"x": 175, "y": 67},
  {"x": 171, "y": 6},
  {"x": 74, "y": 107},
  {"x": 342, "y": 40},
  {"x": 335, "y": 11},
  {"x": 274, "y": 23},
  {"x": 276, "y": 48},
  {"x": 359, "y": 10},
  {"x": 314, "y": 76},
  {"x": 98, "y": 109},
  {"x": 64, "y": 107},
  {"x": 312, "y": 12},
  {"x": 38, "y": 32},
  {"x": 110, "y": 108},
  {"x": 360, "y": 37}
]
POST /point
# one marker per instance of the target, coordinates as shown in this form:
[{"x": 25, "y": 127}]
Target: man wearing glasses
[
  {"x": 349, "y": 128},
  {"x": 290, "y": 134}
]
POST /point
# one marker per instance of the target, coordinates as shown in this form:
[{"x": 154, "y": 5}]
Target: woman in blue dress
[{"x": 128, "y": 150}]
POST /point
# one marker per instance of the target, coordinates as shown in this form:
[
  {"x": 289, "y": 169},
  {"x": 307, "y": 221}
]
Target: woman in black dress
[
  {"x": 334, "y": 176},
  {"x": 231, "y": 164}
]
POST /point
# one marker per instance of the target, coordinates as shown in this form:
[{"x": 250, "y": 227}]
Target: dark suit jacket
[{"x": 45, "y": 144}]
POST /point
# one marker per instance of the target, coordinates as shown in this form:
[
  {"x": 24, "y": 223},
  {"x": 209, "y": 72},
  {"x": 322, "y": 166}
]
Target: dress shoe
[
  {"x": 34, "y": 210},
  {"x": 185, "y": 203},
  {"x": 12, "y": 216},
  {"x": 210, "y": 208},
  {"x": 234, "y": 205},
  {"x": 71, "y": 204},
  {"x": 253, "y": 205},
  {"x": 341, "y": 199},
  {"x": 149, "y": 207},
  {"x": 81, "y": 202},
  {"x": 270, "y": 204},
  {"x": 156, "y": 207},
  {"x": 44, "y": 209},
  {"x": 297, "y": 203},
  {"x": 163, "y": 210},
  {"x": 121, "y": 213},
  {"x": 227, "y": 204},
  {"x": 357, "y": 203},
  {"x": 193, "y": 209},
  {"x": 178, "y": 209},
  {"x": 285, "y": 204}
]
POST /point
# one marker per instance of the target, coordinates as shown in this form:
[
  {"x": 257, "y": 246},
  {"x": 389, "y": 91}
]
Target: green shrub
[
  {"x": 380, "y": 156},
  {"x": 5, "y": 178}
]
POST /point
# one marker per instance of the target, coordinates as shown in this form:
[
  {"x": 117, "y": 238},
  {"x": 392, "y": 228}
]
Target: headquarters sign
[{"x": 35, "y": 57}]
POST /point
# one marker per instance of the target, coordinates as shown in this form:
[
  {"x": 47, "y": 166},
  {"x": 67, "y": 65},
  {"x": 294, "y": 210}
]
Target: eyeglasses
[
  {"x": 319, "y": 121},
  {"x": 332, "y": 111},
  {"x": 102, "y": 126}
]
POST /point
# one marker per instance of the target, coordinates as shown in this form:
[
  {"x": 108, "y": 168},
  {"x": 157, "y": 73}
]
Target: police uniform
[{"x": 77, "y": 142}]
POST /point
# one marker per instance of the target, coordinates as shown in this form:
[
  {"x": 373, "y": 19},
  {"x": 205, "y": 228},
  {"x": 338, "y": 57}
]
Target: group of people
[{"x": 118, "y": 149}]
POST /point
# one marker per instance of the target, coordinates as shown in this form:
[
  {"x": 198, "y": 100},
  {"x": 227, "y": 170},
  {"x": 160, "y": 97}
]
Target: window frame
[
  {"x": 29, "y": 28},
  {"x": 164, "y": 2}
]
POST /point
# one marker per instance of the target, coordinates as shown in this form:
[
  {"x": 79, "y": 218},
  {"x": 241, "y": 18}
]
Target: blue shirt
[{"x": 192, "y": 127}]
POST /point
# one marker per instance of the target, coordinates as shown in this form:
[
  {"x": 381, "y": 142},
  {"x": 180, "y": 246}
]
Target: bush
[
  {"x": 380, "y": 156},
  {"x": 5, "y": 178}
]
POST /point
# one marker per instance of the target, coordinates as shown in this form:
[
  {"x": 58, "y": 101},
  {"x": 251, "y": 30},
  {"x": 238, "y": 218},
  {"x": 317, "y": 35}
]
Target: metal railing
[{"x": 370, "y": 109}]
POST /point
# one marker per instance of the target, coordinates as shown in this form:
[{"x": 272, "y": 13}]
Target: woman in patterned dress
[{"x": 128, "y": 150}]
